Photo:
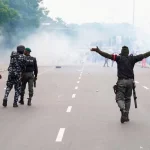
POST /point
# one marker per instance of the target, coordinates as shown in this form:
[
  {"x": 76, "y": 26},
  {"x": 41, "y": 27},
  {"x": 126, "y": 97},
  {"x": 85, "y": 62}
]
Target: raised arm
[
  {"x": 104, "y": 54},
  {"x": 141, "y": 56}
]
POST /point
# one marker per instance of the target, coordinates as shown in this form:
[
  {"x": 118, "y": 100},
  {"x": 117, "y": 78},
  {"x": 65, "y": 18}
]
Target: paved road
[{"x": 74, "y": 109}]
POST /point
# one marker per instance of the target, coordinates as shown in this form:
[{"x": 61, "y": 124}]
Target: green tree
[
  {"x": 6, "y": 13},
  {"x": 29, "y": 15}
]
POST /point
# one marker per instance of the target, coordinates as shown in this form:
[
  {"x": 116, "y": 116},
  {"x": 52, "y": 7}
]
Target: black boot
[
  {"x": 15, "y": 104},
  {"x": 123, "y": 116},
  {"x": 21, "y": 100},
  {"x": 4, "y": 102},
  {"x": 29, "y": 101}
]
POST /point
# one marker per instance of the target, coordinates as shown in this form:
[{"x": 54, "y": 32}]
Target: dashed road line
[
  {"x": 136, "y": 82},
  {"x": 145, "y": 87},
  {"x": 141, "y": 147},
  {"x": 78, "y": 82},
  {"x": 69, "y": 109},
  {"x": 74, "y": 95},
  {"x": 79, "y": 78},
  {"x": 76, "y": 87},
  {"x": 60, "y": 135}
]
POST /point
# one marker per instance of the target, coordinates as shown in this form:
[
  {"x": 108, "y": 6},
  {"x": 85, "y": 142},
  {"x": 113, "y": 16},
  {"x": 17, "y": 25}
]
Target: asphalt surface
[{"x": 74, "y": 108}]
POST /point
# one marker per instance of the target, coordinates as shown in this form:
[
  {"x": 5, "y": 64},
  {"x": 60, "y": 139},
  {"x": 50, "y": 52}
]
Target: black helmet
[{"x": 20, "y": 49}]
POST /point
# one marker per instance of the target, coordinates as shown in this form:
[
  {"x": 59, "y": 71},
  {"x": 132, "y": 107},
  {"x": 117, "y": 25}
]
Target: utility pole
[{"x": 133, "y": 11}]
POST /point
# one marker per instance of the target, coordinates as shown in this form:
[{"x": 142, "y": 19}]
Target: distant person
[
  {"x": 16, "y": 67},
  {"x": 144, "y": 63},
  {"x": 113, "y": 60},
  {"x": 106, "y": 62},
  {"x": 29, "y": 76},
  {"x": 125, "y": 83}
]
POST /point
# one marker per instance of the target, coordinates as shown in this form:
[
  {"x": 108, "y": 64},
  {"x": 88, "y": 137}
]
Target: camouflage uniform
[{"x": 16, "y": 67}]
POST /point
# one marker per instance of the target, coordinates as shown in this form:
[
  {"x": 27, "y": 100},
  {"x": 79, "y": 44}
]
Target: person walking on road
[
  {"x": 29, "y": 76},
  {"x": 125, "y": 66},
  {"x": 113, "y": 60},
  {"x": 144, "y": 63},
  {"x": 106, "y": 62},
  {"x": 16, "y": 67}
]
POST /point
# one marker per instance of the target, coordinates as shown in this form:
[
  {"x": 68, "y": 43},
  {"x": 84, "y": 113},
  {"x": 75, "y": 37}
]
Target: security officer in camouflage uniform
[
  {"x": 29, "y": 76},
  {"x": 16, "y": 67},
  {"x": 125, "y": 65}
]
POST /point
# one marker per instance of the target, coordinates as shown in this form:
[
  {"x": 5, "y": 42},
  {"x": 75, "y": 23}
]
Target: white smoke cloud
[{"x": 54, "y": 49}]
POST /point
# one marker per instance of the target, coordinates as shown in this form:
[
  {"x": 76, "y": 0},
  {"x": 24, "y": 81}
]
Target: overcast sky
[{"x": 82, "y": 11}]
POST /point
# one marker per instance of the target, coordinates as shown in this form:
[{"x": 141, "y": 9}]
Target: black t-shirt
[
  {"x": 125, "y": 65},
  {"x": 31, "y": 65}
]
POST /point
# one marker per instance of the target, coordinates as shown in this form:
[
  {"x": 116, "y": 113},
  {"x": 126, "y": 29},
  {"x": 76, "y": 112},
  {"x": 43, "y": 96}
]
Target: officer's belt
[
  {"x": 125, "y": 78},
  {"x": 28, "y": 72}
]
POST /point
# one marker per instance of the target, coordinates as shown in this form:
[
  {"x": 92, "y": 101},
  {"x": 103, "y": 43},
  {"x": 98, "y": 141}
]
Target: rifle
[
  {"x": 35, "y": 82},
  {"x": 134, "y": 95}
]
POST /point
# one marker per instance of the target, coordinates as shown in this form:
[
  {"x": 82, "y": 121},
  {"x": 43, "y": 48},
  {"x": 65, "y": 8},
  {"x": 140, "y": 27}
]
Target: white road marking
[
  {"x": 141, "y": 147},
  {"x": 74, "y": 95},
  {"x": 145, "y": 87},
  {"x": 4, "y": 88},
  {"x": 79, "y": 78},
  {"x": 78, "y": 82},
  {"x": 136, "y": 82},
  {"x": 69, "y": 109},
  {"x": 60, "y": 134},
  {"x": 60, "y": 96},
  {"x": 76, "y": 88}
]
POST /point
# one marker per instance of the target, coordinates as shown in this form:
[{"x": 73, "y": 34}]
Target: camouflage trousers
[
  {"x": 13, "y": 80},
  {"x": 124, "y": 93}
]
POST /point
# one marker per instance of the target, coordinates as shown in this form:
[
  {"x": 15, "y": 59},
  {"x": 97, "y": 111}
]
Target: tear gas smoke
[{"x": 54, "y": 49}]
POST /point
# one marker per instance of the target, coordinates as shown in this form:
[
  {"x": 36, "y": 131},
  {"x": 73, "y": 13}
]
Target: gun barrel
[
  {"x": 134, "y": 95},
  {"x": 34, "y": 83},
  {"x": 135, "y": 103}
]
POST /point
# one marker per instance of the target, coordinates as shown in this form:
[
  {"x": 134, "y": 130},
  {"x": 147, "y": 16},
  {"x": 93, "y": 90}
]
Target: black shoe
[
  {"x": 5, "y": 103},
  {"x": 123, "y": 116},
  {"x": 21, "y": 102},
  {"x": 29, "y": 102},
  {"x": 15, "y": 104}
]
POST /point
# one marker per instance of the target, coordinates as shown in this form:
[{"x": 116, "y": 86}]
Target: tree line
[{"x": 19, "y": 18}]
